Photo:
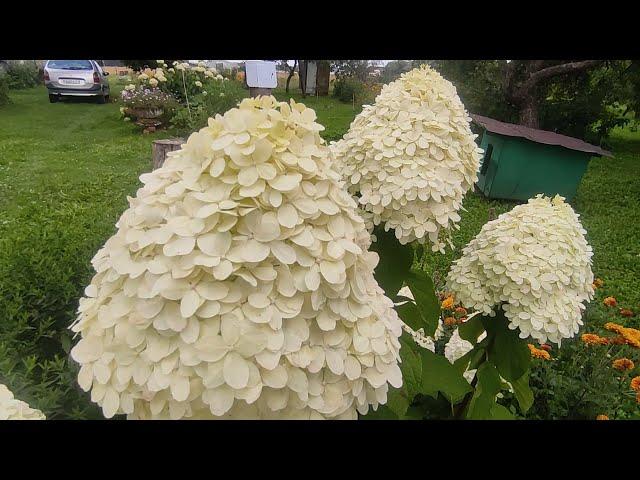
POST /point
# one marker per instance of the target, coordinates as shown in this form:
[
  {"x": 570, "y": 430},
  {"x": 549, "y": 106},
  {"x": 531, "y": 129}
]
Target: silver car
[{"x": 76, "y": 78}]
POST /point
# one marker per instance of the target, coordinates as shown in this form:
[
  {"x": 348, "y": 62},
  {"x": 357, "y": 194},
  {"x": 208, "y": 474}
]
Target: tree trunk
[
  {"x": 529, "y": 111},
  {"x": 160, "y": 148},
  {"x": 292, "y": 71}
]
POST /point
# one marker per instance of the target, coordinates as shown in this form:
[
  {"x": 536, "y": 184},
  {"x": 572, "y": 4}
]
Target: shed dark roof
[{"x": 535, "y": 135}]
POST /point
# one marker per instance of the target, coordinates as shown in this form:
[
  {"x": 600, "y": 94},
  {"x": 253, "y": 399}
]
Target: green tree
[{"x": 584, "y": 99}]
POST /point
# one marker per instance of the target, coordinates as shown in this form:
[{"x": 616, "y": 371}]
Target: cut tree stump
[{"x": 160, "y": 148}]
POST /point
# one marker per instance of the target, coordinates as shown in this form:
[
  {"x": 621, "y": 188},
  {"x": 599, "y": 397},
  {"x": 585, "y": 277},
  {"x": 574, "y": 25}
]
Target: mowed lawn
[{"x": 66, "y": 170}]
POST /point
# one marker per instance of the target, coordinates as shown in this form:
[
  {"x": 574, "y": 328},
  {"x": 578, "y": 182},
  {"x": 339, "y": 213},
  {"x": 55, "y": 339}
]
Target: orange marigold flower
[
  {"x": 625, "y": 312},
  {"x": 623, "y": 364},
  {"x": 546, "y": 347},
  {"x": 631, "y": 336},
  {"x": 537, "y": 353},
  {"x": 635, "y": 384},
  {"x": 617, "y": 340},
  {"x": 614, "y": 327},
  {"x": 592, "y": 339},
  {"x": 602, "y": 417},
  {"x": 610, "y": 302},
  {"x": 461, "y": 310},
  {"x": 448, "y": 321},
  {"x": 447, "y": 303},
  {"x": 598, "y": 282}
]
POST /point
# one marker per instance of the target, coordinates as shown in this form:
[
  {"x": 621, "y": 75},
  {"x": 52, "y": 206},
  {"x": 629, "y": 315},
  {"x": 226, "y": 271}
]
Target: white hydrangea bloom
[
  {"x": 412, "y": 157},
  {"x": 534, "y": 258},
  {"x": 14, "y": 409},
  {"x": 239, "y": 284}
]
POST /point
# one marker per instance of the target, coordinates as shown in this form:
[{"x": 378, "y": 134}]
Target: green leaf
[
  {"x": 500, "y": 412},
  {"x": 398, "y": 401},
  {"x": 395, "y": 261},
  {"x": 382, "y": 413},
  {"x": 523, "y": 392},
  {"x": 424, "y": 293},
  {"x": 471, "y": 329},
  {"x": 410, "y": 315},
  {"x": 484, "y": 397},
  {"x": 411, "y": 365},
  {"x": 438, "y": 375},
  {"x": 507, "y": 351}
]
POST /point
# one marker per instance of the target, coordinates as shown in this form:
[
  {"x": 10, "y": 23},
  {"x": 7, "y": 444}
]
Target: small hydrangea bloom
[
  {"x": 411, "y": 157},
  {"x": 536, "y": 263},
  {"x": 239, "y": 284},
  {"x": 14, "y": 409}
]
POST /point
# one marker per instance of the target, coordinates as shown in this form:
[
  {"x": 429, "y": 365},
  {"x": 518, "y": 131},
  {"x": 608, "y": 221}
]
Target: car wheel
[{"x": 53, "y": 98}]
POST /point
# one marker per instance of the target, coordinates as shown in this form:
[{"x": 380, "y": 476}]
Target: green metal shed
[{"x": 520, "y": 162}]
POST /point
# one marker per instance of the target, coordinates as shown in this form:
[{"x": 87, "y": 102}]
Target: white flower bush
[
  {"x": 411, "y": 157},
  {"x": 239, "y": 284},
  {"x": 14, "y": 409},
  {"x": 537, "y": 261}
]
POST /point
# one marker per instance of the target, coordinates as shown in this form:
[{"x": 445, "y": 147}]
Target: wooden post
[{"x": 160, "y": 148}]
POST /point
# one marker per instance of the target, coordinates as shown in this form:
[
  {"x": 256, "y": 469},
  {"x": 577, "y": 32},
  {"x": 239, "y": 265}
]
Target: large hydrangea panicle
[
  {"x": 239, "y": 284},
  {"x": 534, "y": 261},
  {"x": 411, "y": 157},
  {"x": 13, "y": 409}
]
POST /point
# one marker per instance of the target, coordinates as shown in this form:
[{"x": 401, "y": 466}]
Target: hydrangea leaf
[
  {"x": 471, "y": 329},
  {"x": 421, "y": 285},
  {"x": 395, "y": 262},
  {"x": 487, "y": 387},
  {"x": 523, "y": 392},
  {"x": 411, "y": 366},
  {"x": 507, "y": 351},
  {"x": 441, "y": 376}
]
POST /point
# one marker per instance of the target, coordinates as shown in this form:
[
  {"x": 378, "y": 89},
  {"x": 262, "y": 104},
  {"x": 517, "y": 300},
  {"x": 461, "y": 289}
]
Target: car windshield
[{"x": 70, "y": 64}]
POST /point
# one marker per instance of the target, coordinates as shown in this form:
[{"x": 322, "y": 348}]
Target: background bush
[
  {"x": 220, "y": 97},
  {"x": 4, "y": 88},
  {"x": 351, "y": 89},
  {"x": 23, "y": 75}
]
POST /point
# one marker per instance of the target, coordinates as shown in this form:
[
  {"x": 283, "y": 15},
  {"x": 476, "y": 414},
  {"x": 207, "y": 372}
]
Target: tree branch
[{"x": 564, "y": 68}]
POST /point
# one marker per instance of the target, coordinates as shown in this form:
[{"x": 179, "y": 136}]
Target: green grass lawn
[{"x": 66, "y": 170}]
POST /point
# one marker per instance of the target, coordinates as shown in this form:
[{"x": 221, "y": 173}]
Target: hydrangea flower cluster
[
  {"x": 239, "y": 284},
  {"x": 411, "y": 157},
  {"x": 14, "y": 409},
  {"x": 536, "y": 263}
]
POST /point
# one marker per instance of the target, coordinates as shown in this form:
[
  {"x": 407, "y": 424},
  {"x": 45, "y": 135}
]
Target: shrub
[
  {"x": 4, "y": 89},
  {"x": 350, "y": 89},
  {"x": 217, "y": 98},
  {"x": 40, "y": 276},
  {"x": 23, "y": 75}
]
